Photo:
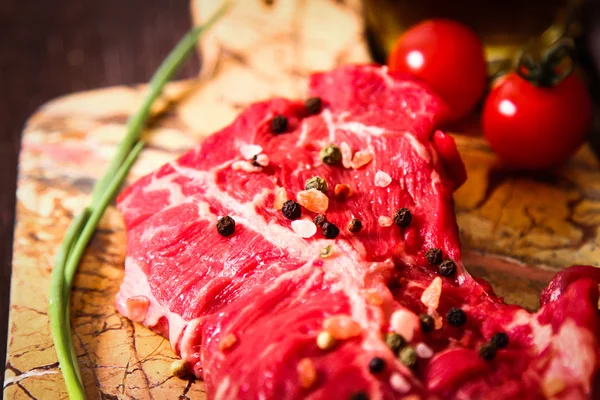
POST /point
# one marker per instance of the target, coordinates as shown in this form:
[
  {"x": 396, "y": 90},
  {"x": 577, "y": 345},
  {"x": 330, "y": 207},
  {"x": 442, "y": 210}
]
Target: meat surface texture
[{"x": 245, "y": 311}]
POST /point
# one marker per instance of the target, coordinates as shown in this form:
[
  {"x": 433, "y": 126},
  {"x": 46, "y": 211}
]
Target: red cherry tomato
[
  {"x": 449, "y": 57},
  {"x": 532, "y": 127}
]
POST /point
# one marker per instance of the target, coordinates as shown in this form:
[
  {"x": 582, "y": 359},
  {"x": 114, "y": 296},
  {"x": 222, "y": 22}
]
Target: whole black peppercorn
[
  {"x": 434, "y": 256},
  {"x": 456, "y": 317},
  {"x": 354, "y": 225},
  {"x": 376, "y": 365},
  {"x": 395, "y": 341},
  {"x": 447, "y": 268},
  {"x": 427, "y": 322},
  {"x": 279, "y": 124},
  {"x": 329, "y": 230},
  {"x": 487, "y": 351},
  {"x": 313, "y": 105},
  {"x": 331, "y": 155},
  {"x": 403, "y": 217},
  {"x": 291, "y": 210},
  {"x": 320, "y": 219},
  {"x": 359, "y": 396},
  {"x": 500, "y": 340},
  {"x": 225, "y": 226}
]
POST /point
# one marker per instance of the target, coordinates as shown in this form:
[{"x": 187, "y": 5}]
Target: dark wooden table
[{"x": 50, "y": 48}]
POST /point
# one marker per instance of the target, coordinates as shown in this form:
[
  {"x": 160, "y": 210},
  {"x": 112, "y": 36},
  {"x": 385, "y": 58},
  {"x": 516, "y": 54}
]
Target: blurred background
[{"x": 51, "y": 48}]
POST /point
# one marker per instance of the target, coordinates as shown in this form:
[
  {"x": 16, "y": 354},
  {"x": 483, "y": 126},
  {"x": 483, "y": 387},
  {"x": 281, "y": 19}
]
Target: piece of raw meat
[{"x": 282, "y": 309}]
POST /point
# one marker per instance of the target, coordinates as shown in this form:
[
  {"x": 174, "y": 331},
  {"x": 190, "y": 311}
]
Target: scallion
[{"x": 84, "y": 225}]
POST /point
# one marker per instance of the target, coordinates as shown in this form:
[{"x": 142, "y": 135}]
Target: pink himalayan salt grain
[
  {"x": 423, "y": 351},
  {"x": 382, "y": 179},
  {"x": 437, "y": 318},
  {"x": 250, "y": 150},
  {"x": 307, "y": 374},
  {"x": 361, "y": 158},
  {"x": 385, "y": 221},
  {"x": 304, "y": 228},
  {"x": 280, "y": 198},
  {"x": 346, "y": 155},
  {"x": 313, "y": 200},
  {"x": 373, "y": 297},
  {"x": 227, "y": 341},
  {"x": 431, "y": 295},
  {"x": 404, "y": 323},
  {"x": 137, "y": 307},
  {"x": 553, "y": 386},
  {"x": 399, "y": 383},
  {"x": 342, "y": 327}
]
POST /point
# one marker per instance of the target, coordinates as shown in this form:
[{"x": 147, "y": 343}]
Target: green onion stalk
[{"x": 83, "y": 226}]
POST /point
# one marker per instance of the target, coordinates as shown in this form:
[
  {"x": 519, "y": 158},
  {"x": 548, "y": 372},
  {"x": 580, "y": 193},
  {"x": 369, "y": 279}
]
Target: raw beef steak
[{"x": 380, "y": 307}]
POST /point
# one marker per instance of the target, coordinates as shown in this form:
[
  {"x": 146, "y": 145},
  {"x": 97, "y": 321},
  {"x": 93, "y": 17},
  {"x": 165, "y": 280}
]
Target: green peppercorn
[
  {"x": 395, "y": 341},
  {"x": 408, "y": 356},
  {"x": 434, "y": 256},
  {"x": 316, "y": 182},
  {"x": 331, "y": 155},
  {"x": 403, "y": 217}
]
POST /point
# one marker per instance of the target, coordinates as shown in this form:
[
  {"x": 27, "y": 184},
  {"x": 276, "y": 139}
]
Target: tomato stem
[{"x": 554, "y": 65}]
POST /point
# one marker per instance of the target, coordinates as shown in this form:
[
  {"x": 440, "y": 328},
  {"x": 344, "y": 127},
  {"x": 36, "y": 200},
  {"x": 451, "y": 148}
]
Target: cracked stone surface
[{"x": 506, "y": 221}]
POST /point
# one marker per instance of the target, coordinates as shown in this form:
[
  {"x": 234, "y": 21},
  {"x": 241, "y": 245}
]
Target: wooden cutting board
[{"x": 256, "y": 52}]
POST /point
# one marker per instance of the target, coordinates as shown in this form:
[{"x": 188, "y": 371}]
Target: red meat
[{"x": 244, "y": 310}]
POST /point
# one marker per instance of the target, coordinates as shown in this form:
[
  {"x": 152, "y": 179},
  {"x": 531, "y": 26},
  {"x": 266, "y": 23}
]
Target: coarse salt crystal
[
  {"x": 423, "y": 351},
  {"x": 250, "y": 150},
  {"x": 431, "y": 295},
  {"x": 304, "y": 228},
  {"x": 385, "y": 221},
  {"x": 404, "y": 323},
  {"x": 399, "y": 383},
  {"x": 373, "y": 297},
  {"x": 382, "y": 179},
  {"x": 437, "y": 318},
  {"x": 361, "y": 158},
  {"x": 346, "y": 154}
]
